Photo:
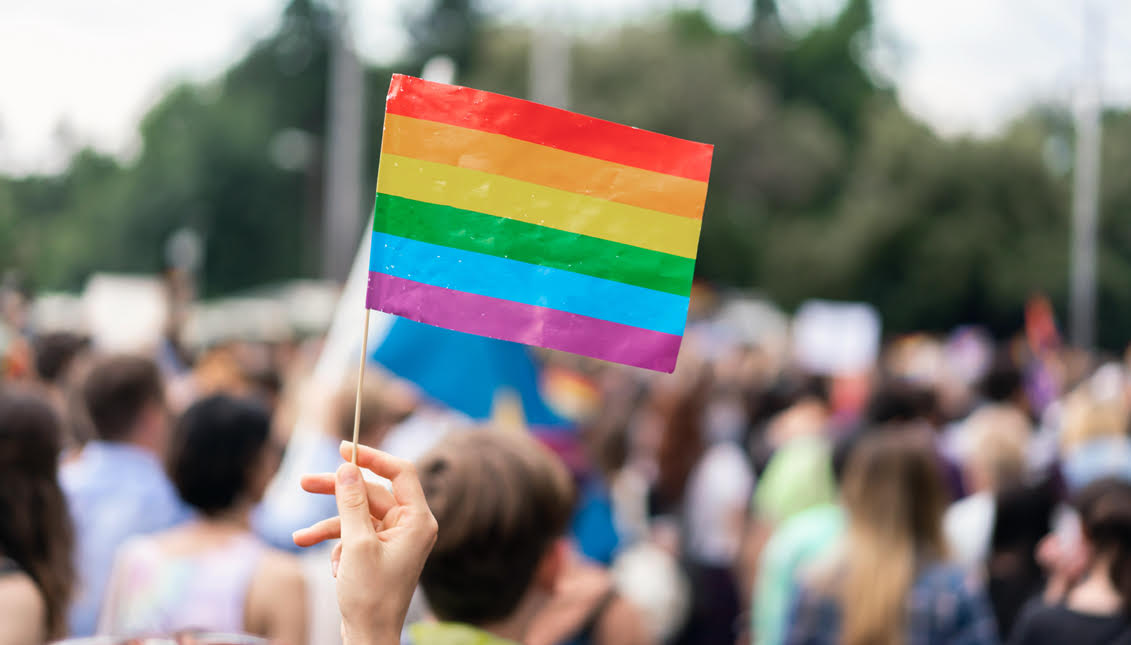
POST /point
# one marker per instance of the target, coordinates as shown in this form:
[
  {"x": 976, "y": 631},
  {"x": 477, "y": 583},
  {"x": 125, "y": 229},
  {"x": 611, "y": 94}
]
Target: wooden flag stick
[{"x": 360, "y": 378}]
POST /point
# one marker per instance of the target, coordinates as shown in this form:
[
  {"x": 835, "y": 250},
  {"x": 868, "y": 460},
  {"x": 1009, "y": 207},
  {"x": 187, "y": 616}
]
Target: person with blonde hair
[
  {"x": 889, "y": 581},
  {"x": 1094, "y": 440},
  {"x": 997, "y": 446}
]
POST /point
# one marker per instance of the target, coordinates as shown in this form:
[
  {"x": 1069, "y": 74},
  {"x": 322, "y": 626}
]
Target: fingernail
[
  {"x": 334, "y": 567},
  {"x": 348, "y": 474}
]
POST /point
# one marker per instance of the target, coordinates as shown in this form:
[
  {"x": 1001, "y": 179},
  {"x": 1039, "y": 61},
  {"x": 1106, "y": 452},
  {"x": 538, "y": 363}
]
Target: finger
[
  {"x": 320, "y": 483},
  {"x": 353, "y": 503},
  {"x": 380, "y": 499},
  {"x": 335, "y": 559},
  {"x": 329, "y": 529},
  {"x": 402, "y": 473}
]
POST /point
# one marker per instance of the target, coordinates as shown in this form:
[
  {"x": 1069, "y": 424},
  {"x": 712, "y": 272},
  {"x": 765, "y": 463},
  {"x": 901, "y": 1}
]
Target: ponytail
[
  {"x": 1120, "y": 575},
  {"x": 1105, "y": 510}
]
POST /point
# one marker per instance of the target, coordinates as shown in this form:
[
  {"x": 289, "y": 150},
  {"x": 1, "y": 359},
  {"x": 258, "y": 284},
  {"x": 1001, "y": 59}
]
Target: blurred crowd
[{"x": 955, "y": 488}]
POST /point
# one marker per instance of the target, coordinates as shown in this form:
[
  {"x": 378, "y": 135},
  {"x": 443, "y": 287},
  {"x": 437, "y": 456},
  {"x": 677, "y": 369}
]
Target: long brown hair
[
  {"x": 35, "y": 529},
  {"x": 893, "y": 492},
  {"x": 682, "y": 442}
]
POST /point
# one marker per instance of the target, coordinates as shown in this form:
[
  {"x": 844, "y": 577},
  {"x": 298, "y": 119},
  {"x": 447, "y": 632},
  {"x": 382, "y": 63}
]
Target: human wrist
[{"x": 371, "y": 635}]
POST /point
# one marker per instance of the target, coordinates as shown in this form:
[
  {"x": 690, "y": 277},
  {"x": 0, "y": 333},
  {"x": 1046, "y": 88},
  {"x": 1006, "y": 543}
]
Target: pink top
[{"x": 153, "y": 592}]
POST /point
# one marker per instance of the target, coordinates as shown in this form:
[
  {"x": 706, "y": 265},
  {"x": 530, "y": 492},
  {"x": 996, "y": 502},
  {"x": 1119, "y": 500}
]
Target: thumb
[{"x": 353, "y": 503}]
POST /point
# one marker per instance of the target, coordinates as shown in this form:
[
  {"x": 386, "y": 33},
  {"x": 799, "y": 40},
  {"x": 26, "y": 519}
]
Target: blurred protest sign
[
  {"x": 517, "y": 221},
  {"x": 125, "y": 313},
  {"x": 836, "y": 337}
]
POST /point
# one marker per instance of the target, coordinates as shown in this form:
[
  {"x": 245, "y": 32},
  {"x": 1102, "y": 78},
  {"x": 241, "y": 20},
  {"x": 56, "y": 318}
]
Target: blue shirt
[
  {"x": 115, "y": 491},
  {"x": 287, "y": 507},
  {"x": 945, "y": 606}
]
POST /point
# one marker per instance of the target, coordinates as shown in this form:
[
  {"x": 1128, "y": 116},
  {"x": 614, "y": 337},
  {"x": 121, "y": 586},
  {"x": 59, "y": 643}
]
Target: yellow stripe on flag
[{"x": 501, "y": 196}]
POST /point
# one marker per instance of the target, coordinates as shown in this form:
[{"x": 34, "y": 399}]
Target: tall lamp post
[
  {"x": 1086, "y": 185},
  {"x": 341, "y": 205}
]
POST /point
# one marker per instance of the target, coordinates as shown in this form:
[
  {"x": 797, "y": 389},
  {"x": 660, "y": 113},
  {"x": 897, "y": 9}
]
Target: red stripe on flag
[{"x": 548, "y": 126}]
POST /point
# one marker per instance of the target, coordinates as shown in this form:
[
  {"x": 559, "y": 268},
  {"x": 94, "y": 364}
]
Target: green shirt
[
  {"x": 797, "y": 543},
  {"x": 799, "y": 476},
  {"x": 452, "y": 634}
]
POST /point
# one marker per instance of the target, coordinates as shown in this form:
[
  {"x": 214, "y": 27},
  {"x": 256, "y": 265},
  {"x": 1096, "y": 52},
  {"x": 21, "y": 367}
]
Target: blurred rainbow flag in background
[{"x": 509, "y": 219}]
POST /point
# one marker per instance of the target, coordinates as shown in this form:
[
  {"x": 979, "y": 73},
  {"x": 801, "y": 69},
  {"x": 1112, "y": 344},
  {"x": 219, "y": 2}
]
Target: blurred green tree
[{"x": 822, "y": 186}]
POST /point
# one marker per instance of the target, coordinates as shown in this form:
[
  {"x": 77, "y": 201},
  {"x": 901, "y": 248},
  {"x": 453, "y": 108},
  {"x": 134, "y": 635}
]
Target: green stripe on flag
[{"x": 540, "y": 245}]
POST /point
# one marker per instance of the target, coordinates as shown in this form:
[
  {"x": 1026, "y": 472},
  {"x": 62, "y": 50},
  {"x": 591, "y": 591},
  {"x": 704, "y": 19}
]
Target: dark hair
[
  {"x": 501, "y": 500},
  {"x": 1021, "y": 520},
  {"x": 682, "y": 442},
  {"x": 55, "y": 352},
  {"x": 214, "y": 447},
  {"x": 1003, "y": 380},
  {"x": 117, "y": 390},
  {"x": 1105, "y": 512},
  {"x": 901, "y": 401},
  {"x": 35, "y": 529}
]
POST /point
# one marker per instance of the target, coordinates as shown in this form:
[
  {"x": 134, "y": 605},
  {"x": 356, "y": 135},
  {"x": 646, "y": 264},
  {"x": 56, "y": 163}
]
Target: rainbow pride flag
[{"x": 509, "y": 219}]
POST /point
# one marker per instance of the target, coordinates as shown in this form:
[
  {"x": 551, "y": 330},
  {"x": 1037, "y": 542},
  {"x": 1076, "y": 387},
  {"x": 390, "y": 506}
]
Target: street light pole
[
  {"x": 1086, "y": 185},
  {"x": 341, "y": 205},
  {"x": 550, "y": 58}
]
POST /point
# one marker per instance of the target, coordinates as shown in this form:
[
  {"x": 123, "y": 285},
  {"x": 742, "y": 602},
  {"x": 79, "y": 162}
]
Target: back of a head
[
  {"x": 116, "y": 392},
  {"x": 1003, "y": 381},
  {"x": 895, "y": 497},
  {"x": 216, "y": 447},
  {"x": 1105, "y": 512},
  {"x": 901, "y": 401},
  {"x": 501, "y": 501},
  {"x": 35, "y": 529},
  {"x": 894, "y": 487},
  {"x": 999, "y": 443},
  {"x": 56, "y": 352},
  {"x": 1087, "y": 418}
]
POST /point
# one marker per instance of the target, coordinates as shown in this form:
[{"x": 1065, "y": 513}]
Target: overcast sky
[{"x": 964, "y": 66}]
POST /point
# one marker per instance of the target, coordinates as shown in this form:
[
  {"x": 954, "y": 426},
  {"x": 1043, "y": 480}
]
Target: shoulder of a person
[
  {"x": 818, "y": 579},
  {"x": 1035, "y": 619},
  {"x": 950, "y": 575},
  {"x": 277, "y": 587},
  {"x": 21, "y": 604},
  {"x": 280, "y": 569}
]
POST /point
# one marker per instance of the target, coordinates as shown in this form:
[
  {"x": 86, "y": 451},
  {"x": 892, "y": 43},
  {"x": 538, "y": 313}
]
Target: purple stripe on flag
[{"x": 522, "y": 323}]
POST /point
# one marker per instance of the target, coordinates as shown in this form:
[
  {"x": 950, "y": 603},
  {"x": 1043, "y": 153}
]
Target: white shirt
[
  {"x": 968, "y": 525},
  {"x": 718, "y": 493}
]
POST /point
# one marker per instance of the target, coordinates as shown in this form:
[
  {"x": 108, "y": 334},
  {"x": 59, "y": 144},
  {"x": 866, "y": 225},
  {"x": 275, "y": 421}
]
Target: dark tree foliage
[{"x": 822, "y": 186}]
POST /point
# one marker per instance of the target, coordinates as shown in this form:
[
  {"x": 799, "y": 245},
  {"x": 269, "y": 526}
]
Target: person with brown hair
[
  {"x": 1097, "y": 608},
  {"x": 890, "y": 581},
  {"x": 36, "y": 570},
  {"x": 60, "y": 362},
  {"x": 502, "y": 503},
  {"x": 117, "y": 487}
]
